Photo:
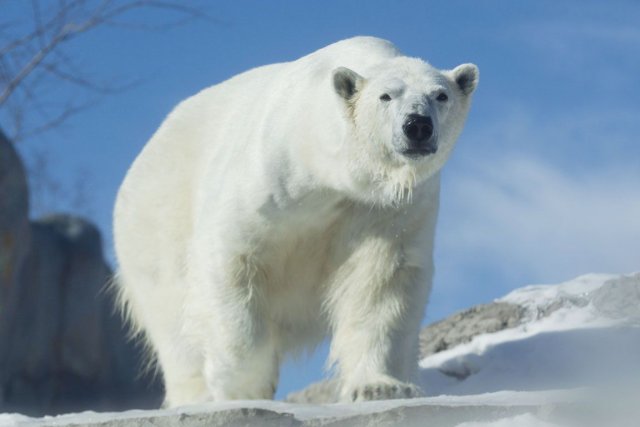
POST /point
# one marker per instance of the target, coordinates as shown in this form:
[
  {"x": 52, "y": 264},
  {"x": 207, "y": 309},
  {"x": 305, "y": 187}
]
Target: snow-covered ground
[
  {"x": 573, "y": 361},
  {"x": 527, "y": 409}
]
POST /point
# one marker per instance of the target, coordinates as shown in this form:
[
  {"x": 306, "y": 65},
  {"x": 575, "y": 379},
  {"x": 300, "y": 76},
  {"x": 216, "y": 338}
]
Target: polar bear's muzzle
[{"x": 421, "y": 138}]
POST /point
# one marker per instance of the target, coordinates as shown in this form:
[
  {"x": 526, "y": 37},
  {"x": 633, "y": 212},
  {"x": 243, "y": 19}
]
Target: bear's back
[
  {"x": 256, "y": 113},
  {"x": 357, "y": 53}
]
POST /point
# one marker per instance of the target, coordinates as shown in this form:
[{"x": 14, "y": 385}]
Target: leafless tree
[
  {"x": 32, "y": 55},
  {"x": 35, "y": 58}
]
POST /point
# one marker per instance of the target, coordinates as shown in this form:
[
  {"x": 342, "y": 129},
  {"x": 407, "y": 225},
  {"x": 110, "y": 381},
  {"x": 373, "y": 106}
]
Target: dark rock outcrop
[
  {"x": 463, "y": 326},
  {"x": 62, "y": 346},
  {"x": 14, "y": 220}
]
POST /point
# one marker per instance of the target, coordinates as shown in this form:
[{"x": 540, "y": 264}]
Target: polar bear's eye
[
  {"x": 442, "y": 97},
  {"x": 385, "y": 97}
]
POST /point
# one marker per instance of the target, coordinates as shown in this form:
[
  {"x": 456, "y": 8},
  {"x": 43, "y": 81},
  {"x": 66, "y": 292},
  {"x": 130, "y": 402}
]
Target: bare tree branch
[
  {"x": 56, "y": 19},
  {"x": 35, "y": 61},
  {"x": 37, "y": 56},
  {"x": 38, "y": 71}
]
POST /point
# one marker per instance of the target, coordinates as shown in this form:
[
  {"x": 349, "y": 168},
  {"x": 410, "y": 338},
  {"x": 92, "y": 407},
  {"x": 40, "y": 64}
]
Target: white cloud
[
  {"x": 518, "y": 207},
  {"x": 519, "y": 213}
]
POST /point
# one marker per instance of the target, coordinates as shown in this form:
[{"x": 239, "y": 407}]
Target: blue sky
[{"x": 544, "y": 183}]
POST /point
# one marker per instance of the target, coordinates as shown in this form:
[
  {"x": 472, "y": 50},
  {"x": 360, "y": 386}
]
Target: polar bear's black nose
[{"x": 418, "y": 128}]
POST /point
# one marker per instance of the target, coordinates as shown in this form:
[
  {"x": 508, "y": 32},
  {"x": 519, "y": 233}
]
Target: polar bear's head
[{"x": 405, "y": 117}]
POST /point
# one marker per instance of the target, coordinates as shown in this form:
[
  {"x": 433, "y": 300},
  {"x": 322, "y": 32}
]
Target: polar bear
[{"x": 292, "y": 202}]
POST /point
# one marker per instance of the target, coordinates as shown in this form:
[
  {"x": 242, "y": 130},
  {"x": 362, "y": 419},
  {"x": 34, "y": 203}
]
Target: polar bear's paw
[{"x": 382, "y": 391}]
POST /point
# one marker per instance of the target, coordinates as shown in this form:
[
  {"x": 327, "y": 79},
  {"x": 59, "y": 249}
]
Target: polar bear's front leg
[
  {"x": 241, "y": 357},
  {"x": 377, "y": 309},
  {"x": 250, "y": 373}
]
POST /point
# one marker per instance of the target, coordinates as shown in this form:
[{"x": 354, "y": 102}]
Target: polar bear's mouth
[{"x": 418, "y": 152}]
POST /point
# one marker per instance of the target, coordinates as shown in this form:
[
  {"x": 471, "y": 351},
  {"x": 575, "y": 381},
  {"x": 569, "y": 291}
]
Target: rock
[
  {"x": 463, "y": 326},
  {"x": 14, "y": 220},
  {"x": 62, "y": 346},
  {"x": 619, "y": 298},
  {"x": 417, "y": 412},
  {"x": 325, "y": 391},
  {"x": 14, "y": 227},
  {"x": 63, "y": 349}
]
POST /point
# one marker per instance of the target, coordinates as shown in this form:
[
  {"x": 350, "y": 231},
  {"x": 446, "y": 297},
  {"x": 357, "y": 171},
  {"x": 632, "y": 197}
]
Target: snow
[
  {"x": 10, "y": 420},
  {"x": 306, "y": 412},
  {"x": 581, "y": 333},
  {"x": 525, "y": 420},
  {"x": 578, "y": 347}
]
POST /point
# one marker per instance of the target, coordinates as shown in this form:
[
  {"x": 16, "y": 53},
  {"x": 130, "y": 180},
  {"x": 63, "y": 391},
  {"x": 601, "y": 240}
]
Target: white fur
[{"x": 268, "y": 211}]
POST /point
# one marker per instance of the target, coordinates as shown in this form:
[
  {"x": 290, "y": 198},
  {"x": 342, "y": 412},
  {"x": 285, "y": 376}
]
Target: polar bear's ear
[
  {"x": 466, "y": 77},
  {"x": 346, "y": 82}
]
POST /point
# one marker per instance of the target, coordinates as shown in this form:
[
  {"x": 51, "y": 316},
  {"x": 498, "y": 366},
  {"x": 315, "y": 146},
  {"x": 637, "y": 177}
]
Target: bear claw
[{"x": 385, "y": 391}]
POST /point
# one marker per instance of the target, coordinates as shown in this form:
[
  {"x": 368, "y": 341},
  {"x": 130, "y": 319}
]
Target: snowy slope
[{"x": 581, "y": 333}]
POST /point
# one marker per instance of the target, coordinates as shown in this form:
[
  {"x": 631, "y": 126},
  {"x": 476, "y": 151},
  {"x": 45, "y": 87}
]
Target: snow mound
[{"x": 581, "y": 333}]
